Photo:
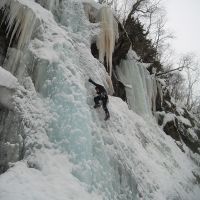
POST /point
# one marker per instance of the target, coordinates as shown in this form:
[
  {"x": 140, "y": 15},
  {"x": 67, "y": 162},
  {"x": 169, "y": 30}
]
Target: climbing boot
[
  {"x": 97, "y": 105},
  {"x": 107, "y": 116}
]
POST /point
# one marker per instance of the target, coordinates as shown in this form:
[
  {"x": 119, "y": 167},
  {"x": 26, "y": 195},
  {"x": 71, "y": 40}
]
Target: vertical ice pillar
[
  {"x": 20, "y": 20},
  {"x": 140, "y": 86},
  {"x": 107, "y": 36}
]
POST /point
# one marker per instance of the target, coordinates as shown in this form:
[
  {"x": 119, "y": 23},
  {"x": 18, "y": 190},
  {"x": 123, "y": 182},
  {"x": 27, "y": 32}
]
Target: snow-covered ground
[{"x": 70, "y": 151}]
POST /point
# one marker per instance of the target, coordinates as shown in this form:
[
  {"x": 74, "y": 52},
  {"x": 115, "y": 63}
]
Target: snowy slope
[{"x": 70, "y": 151}]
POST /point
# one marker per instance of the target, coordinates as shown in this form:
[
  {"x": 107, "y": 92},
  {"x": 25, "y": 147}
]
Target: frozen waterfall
[
  {"x": 141, "y": 88},
  {"x": 67, "y": 150}
]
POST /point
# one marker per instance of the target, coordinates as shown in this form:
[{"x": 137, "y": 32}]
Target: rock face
[
  {"x": 11, "y": 145},
  {"x": 11, "y": 133},
  {"x": 11, "y": 138},
  {"x": 178, "y": 122}
]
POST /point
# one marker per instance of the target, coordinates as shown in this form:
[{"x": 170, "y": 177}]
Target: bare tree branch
[{"x": 169, "y": 71}]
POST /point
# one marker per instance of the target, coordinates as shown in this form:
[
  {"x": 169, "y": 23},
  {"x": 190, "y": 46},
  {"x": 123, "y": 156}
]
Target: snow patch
[
  {"x": 168, "y": 117},
  {"x": 7, "y": 79},
  {"x": 184, "y": 120},
  {"x": 48, "y": 182},
  {"x": 8, "y": 85}
]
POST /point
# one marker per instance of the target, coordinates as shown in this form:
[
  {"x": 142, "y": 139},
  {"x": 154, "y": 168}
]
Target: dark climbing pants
[{"x": 104, "y": 101}]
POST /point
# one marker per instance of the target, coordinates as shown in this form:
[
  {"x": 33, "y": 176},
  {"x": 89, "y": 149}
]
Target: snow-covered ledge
[{"x": 8, "y": 86}]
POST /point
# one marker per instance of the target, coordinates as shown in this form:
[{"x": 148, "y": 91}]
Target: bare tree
[
  {"x": 176, "y": 86},
  {"x": 192, "y": 78},
  {"x": 160, "y": 34},
  {"x": 196, "y": 107},
  {"x": 153, "y": 16},
  {"x": 183, "y": 80},
  {"x": 129, "y": 8}
]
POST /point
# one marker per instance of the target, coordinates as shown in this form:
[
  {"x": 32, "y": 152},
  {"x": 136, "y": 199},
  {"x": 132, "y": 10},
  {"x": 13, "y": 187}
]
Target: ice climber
[{"x": 101, "y": 96}]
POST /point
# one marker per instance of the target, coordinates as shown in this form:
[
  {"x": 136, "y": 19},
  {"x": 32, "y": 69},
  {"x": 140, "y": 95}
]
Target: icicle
[
  {"x": 110, "y": 85},
  {"x": 13, "y": 60},
  {"x": 154, "y": 93},
  {"x": 107, "y": 37},
  {"x": 20, "y": 21}
]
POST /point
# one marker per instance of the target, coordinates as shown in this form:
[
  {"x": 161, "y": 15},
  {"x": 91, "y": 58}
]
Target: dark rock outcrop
[
  {"x": 11, "y": 138},
  {"x": 4, "y": 42},
  {"x": 181, "y": 125}
]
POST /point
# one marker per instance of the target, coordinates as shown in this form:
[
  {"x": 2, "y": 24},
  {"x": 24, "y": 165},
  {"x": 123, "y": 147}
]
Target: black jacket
[{"x": 99, "y": 88}]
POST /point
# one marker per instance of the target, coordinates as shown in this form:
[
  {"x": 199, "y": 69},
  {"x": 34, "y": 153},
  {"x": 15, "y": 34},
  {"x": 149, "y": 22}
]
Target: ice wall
[
  {"x": 64, "y": 81},
  {"x": 59, "y": 62},
  {"x": 141, "y": 88},
  {"x": 69, "y": 11},
  {"x": 51, "y": 5}
]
